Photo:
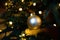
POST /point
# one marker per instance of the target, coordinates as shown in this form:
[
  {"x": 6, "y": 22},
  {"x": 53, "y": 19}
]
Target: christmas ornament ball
[{"x": 34, "y": 21}]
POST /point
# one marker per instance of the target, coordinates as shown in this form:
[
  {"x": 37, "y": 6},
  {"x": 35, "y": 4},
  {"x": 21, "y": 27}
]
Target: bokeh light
[
  {"x": 34, "y": 4},
  {"x": 20, "y": 9}
]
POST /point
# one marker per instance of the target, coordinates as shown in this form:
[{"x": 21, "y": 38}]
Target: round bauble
[{"x": 34, "y": 21}]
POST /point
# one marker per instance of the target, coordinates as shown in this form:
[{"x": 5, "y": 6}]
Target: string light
[
  {"x": 6, "y": 4},
  {"x": 34, "y": 4},
  {"x": 23, "y": 38},
  {"x": 0, "y": 30},
  {"x": 20, "y": 36},
  {"x": 40, "y": 12},
  {"x": 22, "y": 0},
  {"x": 10, "y": 22},
  {"x": 20, "y": 9},
  {"x": 54, "y": 25},
  {"x": 23, "y": 35},
  {"x": 59, "y": 4},
  {"x": 32, "y": 14}
]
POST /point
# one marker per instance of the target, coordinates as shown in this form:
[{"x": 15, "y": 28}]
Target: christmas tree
[{"x": 29, "y": 19}]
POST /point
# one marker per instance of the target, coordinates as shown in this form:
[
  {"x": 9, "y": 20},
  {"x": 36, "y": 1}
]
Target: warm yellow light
[
  {"x": 59, "y": 4},
  {"x": 23, "y": 38},
  {"x": 20, "y": 9},
  {"x": 10, "y": 22},
  {"x": 54, "y": 25},
  {"x": 23, "y": 35},
  {"x": 20, "y": 36},
  {"x": 22, "y": 0},
  {"x": 32, "y": 14},
  {"x": 0, "y": 30},
  {"x": 6, "y": 4},
  {"x": 40, "y": 12},
  {"x": 34, "y": 4}
]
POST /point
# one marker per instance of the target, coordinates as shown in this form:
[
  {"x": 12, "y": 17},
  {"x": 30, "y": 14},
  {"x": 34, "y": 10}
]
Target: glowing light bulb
[
  {"x": 59, "y": 4},
  {"x": 31, "y": 14},
  {"x": 20, "y": 36},
  {"x": 22, "y": 0},
  {"x": 34, "y": 4},
  {"x": 23, "y": 38},
  {"x": 10, "y": 22},
  {"x": 6, "y": 4},
  {"x": 0, "y": 30},
  {"x": 40, "y": 12},
  {"x": 20, "y": 9},
  {"x": 54, "y": 25},
  {"x": 23, "y": 35}
]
